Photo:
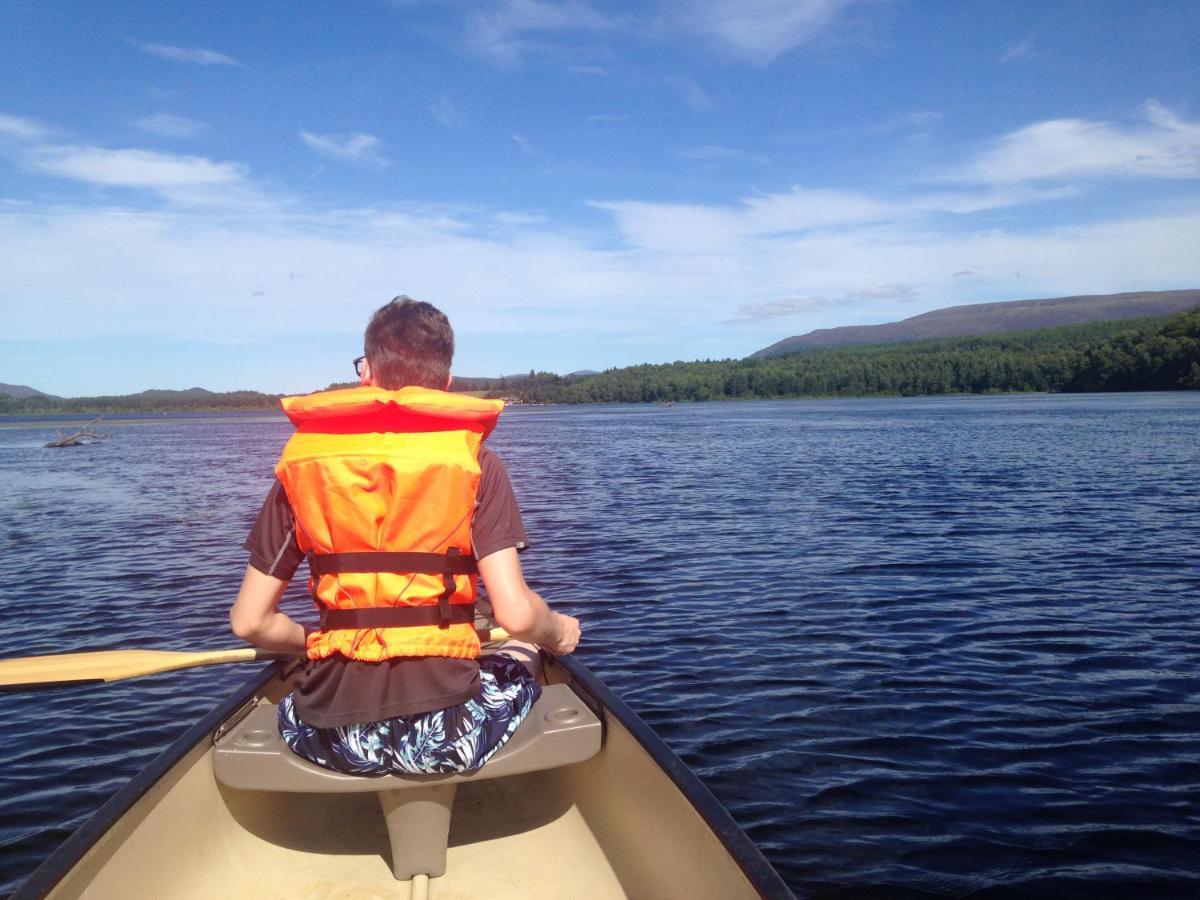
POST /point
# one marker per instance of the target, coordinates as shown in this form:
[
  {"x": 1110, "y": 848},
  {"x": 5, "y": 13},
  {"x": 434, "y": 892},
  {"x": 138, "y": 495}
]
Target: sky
[{"x": 220, "y": 194}]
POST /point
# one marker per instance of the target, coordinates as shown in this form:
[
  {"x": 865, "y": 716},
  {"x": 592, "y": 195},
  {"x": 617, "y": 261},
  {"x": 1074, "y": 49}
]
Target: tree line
[
  {"x": 1158, "y": 353},
  {"x": 147, "y": 402}
]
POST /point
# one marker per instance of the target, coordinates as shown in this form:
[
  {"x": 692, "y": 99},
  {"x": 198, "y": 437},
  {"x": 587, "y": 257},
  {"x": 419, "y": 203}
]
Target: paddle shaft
[{"x": 116, "y": 665}]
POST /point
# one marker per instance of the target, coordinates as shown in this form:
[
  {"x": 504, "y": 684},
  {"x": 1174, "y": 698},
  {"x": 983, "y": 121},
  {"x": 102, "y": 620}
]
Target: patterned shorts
[{"x": 456, "y": 739}]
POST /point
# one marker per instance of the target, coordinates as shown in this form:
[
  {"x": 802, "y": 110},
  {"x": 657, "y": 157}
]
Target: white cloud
[
  {"x": 890, "y": 291},
  {"x": 446, "y": 113},
  {"x": 717, "y": 153},
  {"x": 132, "y": 168},
  {"x": 167, "y": 125},
  {"x": 503, "y": 273},
  {"x": 760, "y": 30},
  {"x": 693, "y": 95},
  {"x": 507, "y": 31},
  {"x": 20, "y": 128},
  {"x": 1021, "y": 50},
  {"x": 523, "y": 144},
  {"x": 823, "y": 256},
  {"x": 1165, "y": 146},
  {"x": 197, "y": 56},
  {"x": 696, "y": 228},
  {"x": 357, "y": 148},
  {"x": 777, "y": 309}
]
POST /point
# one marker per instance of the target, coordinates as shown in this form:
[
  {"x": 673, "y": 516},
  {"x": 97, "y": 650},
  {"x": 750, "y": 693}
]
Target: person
[{"x": 389, "y": 492}]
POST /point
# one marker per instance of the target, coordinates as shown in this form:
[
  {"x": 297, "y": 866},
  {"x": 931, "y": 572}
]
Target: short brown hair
[{"x": 409, "y": 342}]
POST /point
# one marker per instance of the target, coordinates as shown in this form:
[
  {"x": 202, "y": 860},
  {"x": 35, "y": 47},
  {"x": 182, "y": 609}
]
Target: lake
[{"x": 918, "y": 647}]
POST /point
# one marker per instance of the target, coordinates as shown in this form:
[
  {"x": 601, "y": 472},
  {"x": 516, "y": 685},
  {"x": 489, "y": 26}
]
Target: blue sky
[{"x": 219, "y": 194}]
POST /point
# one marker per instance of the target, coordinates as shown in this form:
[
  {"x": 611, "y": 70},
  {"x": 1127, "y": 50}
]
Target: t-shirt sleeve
[
  {"x": 272, "y": 541},
  {"x": 497, "y": 524}
]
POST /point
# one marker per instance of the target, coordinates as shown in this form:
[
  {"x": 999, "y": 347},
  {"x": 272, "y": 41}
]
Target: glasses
[{"x": 358, "y": 366}]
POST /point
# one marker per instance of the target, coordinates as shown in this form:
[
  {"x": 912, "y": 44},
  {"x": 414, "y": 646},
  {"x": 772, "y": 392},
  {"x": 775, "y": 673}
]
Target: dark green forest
[
  {"x": 1160, "y": 353},
  {"x": 148, "y": 402}
]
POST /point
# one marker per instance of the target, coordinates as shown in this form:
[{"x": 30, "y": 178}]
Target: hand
[{"x": 566, "y": 637}]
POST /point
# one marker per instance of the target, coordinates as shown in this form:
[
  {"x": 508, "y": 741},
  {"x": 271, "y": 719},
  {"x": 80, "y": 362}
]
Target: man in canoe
[{"x": 389, "y": 493}]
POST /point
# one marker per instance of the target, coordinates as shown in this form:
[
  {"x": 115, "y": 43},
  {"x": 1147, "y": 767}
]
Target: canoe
[{"x": 585, "y": 801}]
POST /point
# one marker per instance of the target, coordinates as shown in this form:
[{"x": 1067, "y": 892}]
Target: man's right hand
[
  {"x": 566, "y": 637},
  {"x": 521, "y": 611}
]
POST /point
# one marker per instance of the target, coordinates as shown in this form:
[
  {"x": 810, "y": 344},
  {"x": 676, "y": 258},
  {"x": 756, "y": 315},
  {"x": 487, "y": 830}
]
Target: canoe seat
[{"x": 559, "y": 731}]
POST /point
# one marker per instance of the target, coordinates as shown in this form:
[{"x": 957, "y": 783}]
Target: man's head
[{"x": 408, "y": 343}]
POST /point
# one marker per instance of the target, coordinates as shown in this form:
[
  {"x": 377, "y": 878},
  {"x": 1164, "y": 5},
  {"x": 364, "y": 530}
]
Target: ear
[
  {"x": 365, "y": 378},
  {"x": 449, "y": 381}
]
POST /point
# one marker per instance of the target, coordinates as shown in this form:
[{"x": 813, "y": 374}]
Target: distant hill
[
  {"x": 994, "y": 318},
  {"x": 162, "y": 394},
  {"x": 21, "y": 391}
]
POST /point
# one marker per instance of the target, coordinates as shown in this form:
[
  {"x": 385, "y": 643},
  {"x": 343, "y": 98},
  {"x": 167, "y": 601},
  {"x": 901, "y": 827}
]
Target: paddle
[{"x": 114, "y": 665}]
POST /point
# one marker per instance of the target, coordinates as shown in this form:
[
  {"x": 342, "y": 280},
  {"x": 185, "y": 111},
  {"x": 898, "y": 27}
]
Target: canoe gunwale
[
  {"x": 45, "y": 877},
  {"x": 744, "y": 851}
]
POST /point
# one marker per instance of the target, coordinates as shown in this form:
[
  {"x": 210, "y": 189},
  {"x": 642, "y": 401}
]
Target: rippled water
[{"x": 934, "y": 646}]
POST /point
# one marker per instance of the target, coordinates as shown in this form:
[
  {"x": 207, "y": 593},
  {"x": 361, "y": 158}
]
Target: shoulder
[{"x": 491, "y": 467}]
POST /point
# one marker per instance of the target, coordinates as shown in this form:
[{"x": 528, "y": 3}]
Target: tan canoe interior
[{"x": 614, "y": 826}]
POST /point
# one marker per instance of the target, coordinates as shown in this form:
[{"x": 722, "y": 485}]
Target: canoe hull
[{"x": 630, "y": 822}]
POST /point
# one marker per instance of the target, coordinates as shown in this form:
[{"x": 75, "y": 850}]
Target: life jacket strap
[
  {"x": 452, "y": 562},
  {"x": 396, "y": 617}
]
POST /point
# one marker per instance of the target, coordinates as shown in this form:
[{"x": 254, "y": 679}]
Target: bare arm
[
  {"x": 520, "y": 610},
  {"x": 255, "y": 616}
]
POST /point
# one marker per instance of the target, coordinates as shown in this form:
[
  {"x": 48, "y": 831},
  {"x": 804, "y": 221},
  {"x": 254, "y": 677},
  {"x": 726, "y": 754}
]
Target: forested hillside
[
  {"x": 194, "y": 400},
  {"x": 1149, "y": 354},
  {"x": 1161, "y": 353},
  {"x": 995, "y": 318}
]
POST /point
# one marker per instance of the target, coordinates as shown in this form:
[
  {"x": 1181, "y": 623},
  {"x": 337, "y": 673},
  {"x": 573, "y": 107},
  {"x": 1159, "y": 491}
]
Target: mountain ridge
[
  {"x": 23, "y": 391},
  {"x": 969, "y": 320}
]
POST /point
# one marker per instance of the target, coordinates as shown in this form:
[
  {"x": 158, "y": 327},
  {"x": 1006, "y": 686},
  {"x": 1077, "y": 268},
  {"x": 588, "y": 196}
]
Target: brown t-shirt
[{"x": 339, "y": 691}]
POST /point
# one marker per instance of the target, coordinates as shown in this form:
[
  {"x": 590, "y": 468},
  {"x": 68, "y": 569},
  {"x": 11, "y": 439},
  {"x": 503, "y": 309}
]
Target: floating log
[{"x": 84, "y": 435}]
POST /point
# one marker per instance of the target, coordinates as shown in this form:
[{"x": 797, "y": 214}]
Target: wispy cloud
[
  {"x": 795, "y": 305},
  {"x": 760, "y": 30},
  {"x": 703, "y": 228},
  {"x": 1023, "y": 49},
  {"x": 21, "y": 129},
  {"x": 446, "y": 113},
  {"x": 476, "y": 264},
  {"x": 355, "y": 148},
  {"x": 181, "y": 180},
  {"x": 167, "y": 125},
  {"x": 1163, "y": 146},
  {"x": 507, "y": 31},
  {"x": 717, "y": 153},
  {"x": 132, "y": 168},
  {"x": 523, "y": 144},
  {"x": 776, "y": 309},
  {"x": 889, "y": 291},
  {"x": 693, "y": 95},
  {"x": 808, "y": 253},
  {"x": 196, "y": 56}
]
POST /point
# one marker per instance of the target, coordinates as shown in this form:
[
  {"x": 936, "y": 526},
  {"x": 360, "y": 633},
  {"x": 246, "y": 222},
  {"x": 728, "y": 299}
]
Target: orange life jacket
[{"x": 382, "y": 485}]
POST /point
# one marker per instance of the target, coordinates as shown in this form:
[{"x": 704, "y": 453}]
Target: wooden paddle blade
[{"x": 114, "y": 665}]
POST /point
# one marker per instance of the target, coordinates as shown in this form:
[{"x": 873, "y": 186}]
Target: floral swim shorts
[{"x": 456, "y": 739}]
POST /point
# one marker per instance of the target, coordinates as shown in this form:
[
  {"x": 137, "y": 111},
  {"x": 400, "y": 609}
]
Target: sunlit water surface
[{"x": 943, "y": 645}]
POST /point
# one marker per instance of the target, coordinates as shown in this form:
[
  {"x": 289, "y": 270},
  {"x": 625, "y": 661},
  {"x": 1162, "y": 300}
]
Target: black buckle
[{"x": 448, "y": 588}]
